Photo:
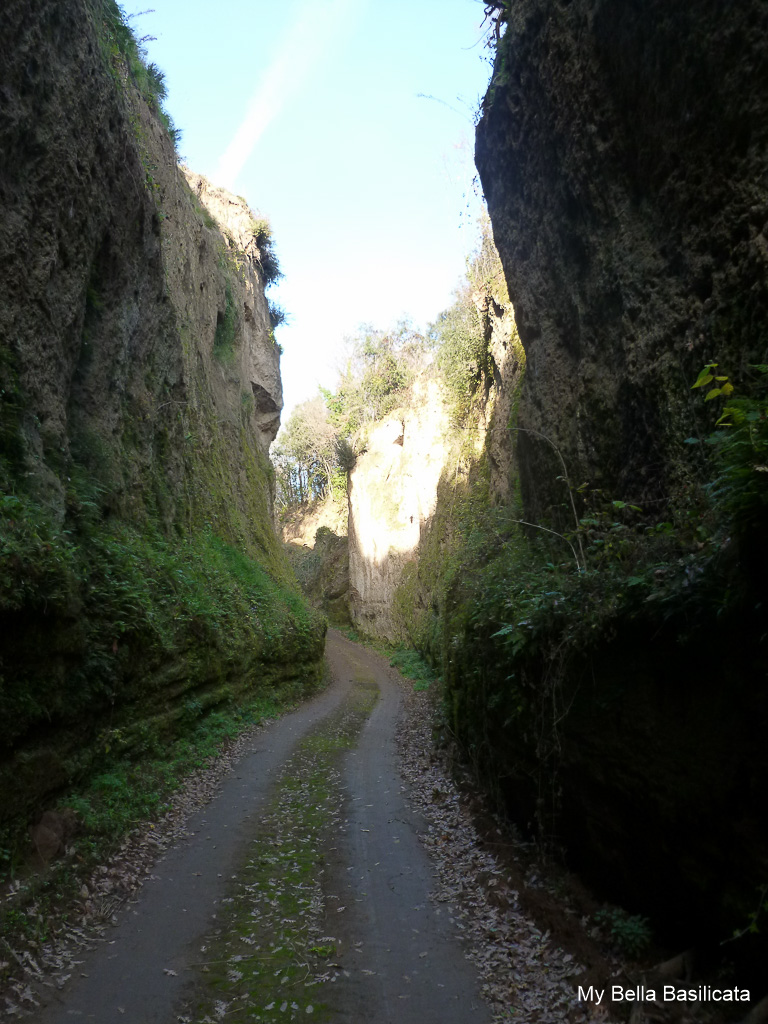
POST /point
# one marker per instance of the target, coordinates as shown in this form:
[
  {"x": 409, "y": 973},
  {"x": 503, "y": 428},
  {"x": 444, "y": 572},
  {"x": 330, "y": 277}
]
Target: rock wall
[
  {"x": 140, "y": 393},
  {"x": 496, "y": 414},
  {"x": 622, "y": 152},
  {"x": 392, "y": 496},
  {"x": 300, "y": 525},
  {"x": 315, "y": 539}
]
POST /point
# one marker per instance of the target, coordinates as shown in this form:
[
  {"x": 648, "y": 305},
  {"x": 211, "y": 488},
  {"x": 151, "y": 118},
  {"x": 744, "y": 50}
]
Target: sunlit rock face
[
  {"x": 257, "y": 359},
  {"x": 300, "y": 525},
  {"x": 393, "y": 492}
]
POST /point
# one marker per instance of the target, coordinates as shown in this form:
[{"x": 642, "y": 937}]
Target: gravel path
[
  {"x": 326, "y": 867},
  {"x": 308, "y": 847}
]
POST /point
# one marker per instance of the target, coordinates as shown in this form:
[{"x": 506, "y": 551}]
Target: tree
[
  {"x": 305, "y": 454},
  {"x": 380, "y": 366},
  {"x": 316, "y": 448}
]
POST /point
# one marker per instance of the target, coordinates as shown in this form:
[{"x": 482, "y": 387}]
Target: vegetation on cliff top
[
  {"x": 128, "y": 59},
  {"x": 317, "y": 446}
]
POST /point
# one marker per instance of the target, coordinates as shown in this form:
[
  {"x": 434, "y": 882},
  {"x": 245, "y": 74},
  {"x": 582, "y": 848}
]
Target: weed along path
[{"x": 300, "y": 893}]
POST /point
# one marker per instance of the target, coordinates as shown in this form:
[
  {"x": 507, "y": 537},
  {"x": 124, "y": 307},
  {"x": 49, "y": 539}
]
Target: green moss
[
  {"x": 101, "y": 614},
  {"x": 226, "y": 329},
  {"x": 140, "y": 578}
]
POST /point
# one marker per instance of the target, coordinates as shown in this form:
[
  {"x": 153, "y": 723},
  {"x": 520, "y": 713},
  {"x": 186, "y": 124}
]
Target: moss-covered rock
[{"x": 139, "y": 568}]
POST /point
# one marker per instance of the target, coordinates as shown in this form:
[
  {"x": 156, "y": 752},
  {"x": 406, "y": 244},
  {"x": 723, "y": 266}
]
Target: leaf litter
[
  {"x": 33, "y": 964},
  {"x": 526, "y": 977}
]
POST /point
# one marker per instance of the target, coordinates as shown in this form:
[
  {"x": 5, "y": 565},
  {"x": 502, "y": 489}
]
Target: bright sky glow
[
  {"x": 310, "y": 35},
  {"x": 349, "y": 124}
]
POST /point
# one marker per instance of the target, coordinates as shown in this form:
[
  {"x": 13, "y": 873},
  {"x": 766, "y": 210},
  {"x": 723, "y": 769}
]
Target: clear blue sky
[{"x": 318, "y": 113}]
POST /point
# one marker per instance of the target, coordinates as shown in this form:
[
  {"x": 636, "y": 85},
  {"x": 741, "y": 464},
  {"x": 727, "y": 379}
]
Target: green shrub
[
  {"x": 630, "y": 933},
  {"x": 739, "y": 489},
  {"x": 462, "y": 358},
  {"x": 268, "y": 261},
  {"x": 277, "y": 315}
]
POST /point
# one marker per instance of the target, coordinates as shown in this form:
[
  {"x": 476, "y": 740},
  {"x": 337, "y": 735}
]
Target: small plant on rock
[
  {"x": 740, "y": 443},
  {"x": 270, "y": 267},
  {"x": 630, "y": 933}
]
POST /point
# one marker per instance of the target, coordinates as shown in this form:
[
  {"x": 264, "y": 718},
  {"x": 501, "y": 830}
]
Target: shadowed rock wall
[{"x": 622, "y": 152}]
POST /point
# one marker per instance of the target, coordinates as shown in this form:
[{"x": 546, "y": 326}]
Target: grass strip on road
[{"x": 269, "y": 961}]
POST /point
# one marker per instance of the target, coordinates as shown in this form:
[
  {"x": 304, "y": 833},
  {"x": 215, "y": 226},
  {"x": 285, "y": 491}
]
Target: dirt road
[{"x": 301, "y": 894}]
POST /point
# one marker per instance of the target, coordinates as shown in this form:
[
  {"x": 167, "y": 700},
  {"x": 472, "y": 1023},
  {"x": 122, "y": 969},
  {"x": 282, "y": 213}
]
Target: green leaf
[
  {"x": 504, "y": 631},
  {"x": 705, "y": 376},
  {"x": 692, "y": 440},
  {"x": 712, "y": 394}
]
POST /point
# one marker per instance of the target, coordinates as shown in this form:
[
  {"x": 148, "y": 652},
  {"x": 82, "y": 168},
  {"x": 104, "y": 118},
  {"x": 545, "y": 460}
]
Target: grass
[
  {"x": 411, "y": 665},
  {"x": 150, "y": 644},
  {"x": 270, "y": 954},
  {"x": 128, "y": 58},
  {"x": 127, "y": 792},
  {"x": 406, "y": 660}
]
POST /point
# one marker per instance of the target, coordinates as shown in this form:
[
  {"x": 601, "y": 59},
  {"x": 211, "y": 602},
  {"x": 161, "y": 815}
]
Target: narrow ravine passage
[{"x": 301, "y": 893}]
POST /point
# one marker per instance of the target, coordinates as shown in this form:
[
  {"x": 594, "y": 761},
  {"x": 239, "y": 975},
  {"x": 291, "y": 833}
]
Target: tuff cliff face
[
  {"x": 392, "y": 495},
  {"x": 412, "y": 460},
  {"x": 621, "y": 150},
  {"x": 105, "y": 252},
  {"x": 315, "y": 539},
  {"x": 256, "y": 362},
  {"x": 140, "y": 393}
]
